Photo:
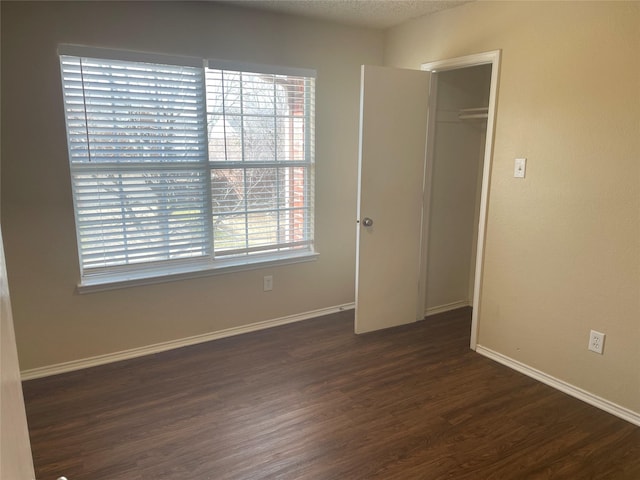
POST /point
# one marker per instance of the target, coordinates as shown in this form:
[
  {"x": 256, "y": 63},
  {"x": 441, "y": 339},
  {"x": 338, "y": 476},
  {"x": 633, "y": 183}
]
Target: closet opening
[{"x": 459, "y": 144}]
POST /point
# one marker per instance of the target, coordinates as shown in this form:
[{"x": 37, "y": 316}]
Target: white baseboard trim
[
  {"x": 588, "y": 397},
  {"x": 65, "y": 367},
  {"x": 447, "y": 307}
]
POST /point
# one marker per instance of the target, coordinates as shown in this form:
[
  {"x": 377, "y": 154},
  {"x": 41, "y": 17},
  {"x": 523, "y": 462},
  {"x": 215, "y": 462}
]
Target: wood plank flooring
[{"x": 311, "y": 400}]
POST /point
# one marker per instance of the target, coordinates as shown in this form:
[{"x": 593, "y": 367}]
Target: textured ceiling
[{"x": 364, "y": 13}]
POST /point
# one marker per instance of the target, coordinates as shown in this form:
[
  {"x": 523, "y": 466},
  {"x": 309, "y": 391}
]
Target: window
[{"x": 178, "y": 167}]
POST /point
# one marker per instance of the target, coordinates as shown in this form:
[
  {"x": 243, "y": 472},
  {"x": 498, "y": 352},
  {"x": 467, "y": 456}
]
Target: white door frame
[{"x": 492, "y": 58}]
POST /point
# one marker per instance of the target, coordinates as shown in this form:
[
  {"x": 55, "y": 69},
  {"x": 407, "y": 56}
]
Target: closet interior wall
[{"x": 459, "y": 144}]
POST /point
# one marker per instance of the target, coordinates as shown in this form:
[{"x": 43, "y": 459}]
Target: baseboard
[
  {"x": 172, "y": 344},
  {"x": 580, "y": 394},
  {"x": 448, "y": 307}
]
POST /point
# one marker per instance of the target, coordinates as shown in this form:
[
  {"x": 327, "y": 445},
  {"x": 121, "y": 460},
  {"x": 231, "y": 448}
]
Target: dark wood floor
[{"x": 312, "y": 400}]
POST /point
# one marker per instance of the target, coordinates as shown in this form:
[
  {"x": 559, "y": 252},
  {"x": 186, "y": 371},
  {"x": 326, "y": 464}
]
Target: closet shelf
[{"x": 473, "y": 113}]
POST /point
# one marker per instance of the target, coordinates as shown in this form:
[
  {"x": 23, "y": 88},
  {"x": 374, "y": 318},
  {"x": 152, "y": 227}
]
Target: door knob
[{"x": 367, "y": 222}]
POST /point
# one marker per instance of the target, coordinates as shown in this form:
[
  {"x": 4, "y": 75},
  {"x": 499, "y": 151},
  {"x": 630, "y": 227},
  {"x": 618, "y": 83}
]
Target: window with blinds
[{"x": 180, "y": 167}]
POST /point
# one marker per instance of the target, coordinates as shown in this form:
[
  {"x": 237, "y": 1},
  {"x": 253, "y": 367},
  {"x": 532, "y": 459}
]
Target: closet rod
[
  {"x": 472, "y": 116},
  {"x": 473, "y": 113}
]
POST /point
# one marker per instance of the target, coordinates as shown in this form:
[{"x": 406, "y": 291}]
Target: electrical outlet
[
  {"x": 596, "y": 341},
  {"x": 267, "y": 283}
]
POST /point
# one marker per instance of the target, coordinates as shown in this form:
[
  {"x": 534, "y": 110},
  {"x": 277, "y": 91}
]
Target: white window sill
[{"x": 101, "y": 283}]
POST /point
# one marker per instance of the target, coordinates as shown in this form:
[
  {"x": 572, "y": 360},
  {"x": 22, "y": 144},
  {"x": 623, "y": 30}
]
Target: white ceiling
[{"x": 364, "y": 13}]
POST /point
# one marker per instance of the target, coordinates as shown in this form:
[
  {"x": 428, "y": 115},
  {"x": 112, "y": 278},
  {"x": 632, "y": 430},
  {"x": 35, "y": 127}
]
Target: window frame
[{"x": 169, "y": 270}]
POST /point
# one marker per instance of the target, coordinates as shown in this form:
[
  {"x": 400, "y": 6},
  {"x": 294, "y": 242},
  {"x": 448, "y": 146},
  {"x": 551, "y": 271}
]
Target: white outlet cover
[{"x": 596, "y": 341}]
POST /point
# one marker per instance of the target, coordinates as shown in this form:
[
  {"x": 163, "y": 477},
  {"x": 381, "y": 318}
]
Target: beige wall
[
  {"x": 563, "y": 245},
  {"x": 53, "y": 323}
]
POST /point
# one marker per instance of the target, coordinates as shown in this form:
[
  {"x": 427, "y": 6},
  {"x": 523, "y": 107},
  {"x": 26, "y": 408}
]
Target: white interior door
[
  {"x": 15, "y": 449},
  {"x": 393, "y": 131}
]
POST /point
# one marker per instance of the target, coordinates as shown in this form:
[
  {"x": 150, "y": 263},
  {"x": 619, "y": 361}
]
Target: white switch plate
[
  {"x": 267, "y": 283},
  {"x": 520, "y": 167}
]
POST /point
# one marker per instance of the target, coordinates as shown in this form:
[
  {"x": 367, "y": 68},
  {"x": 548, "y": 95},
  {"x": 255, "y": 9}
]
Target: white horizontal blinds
[
  {"x": 261, "y": 158},
  {"x": 138, "y": 154},
  {"x": 173, "y": 164}
]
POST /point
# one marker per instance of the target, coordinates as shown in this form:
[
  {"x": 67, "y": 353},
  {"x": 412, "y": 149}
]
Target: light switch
[{"x": 520, "y": 167}]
